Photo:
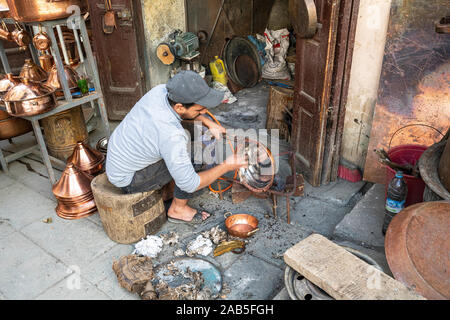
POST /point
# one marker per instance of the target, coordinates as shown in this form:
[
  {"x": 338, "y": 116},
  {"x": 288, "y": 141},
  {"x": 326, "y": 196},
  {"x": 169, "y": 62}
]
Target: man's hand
[
  {"x": 236, "y": 161},
  {"x": 217, "y": 131}
]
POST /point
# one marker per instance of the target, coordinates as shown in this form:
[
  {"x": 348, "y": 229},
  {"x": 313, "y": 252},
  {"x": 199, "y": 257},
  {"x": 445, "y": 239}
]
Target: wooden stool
[{"x": 127, "y": 218}]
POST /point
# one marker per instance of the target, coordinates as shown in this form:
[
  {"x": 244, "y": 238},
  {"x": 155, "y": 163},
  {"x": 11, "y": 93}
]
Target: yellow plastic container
[{"x": 218, "y": 70}]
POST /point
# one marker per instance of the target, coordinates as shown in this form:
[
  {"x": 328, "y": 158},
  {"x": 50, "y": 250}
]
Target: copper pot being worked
[
  {"x": 33, "y": 72},
  {"x": 41, "y": 10},
  {"x": 259, "y": 175},
  {"x": 240, "y": 225},
  {"x": 87, "y": 159},
  {"x": 29, "y": 98},
  {"x": 71, "y": 76},
  {"x": 74, "y": 194}
]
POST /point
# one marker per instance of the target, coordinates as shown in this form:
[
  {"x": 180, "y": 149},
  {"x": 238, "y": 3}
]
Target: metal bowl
[{"x": 240, "y": 225}]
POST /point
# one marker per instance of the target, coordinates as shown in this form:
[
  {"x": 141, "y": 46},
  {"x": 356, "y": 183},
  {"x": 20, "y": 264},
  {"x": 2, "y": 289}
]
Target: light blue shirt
[{"x": 151, "y": 131}]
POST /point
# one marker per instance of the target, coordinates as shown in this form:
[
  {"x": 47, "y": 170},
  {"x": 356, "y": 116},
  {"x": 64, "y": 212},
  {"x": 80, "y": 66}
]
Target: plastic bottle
[
  {"x": 395, "y": 201},
  {"x": 218, "y": 70}
]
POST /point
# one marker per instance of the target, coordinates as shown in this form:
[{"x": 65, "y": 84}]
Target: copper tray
[{"x": 417, "y": 248}]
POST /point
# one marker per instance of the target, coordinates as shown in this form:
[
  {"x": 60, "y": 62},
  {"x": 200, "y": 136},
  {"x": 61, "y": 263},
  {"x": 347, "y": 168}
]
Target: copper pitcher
[
  {"x": 20, "y": 36},
  {"x": 33, "y": 72},
  {"x": 46, "y": 61},
  {"x": 87, "y": 159},
  {"x": 41, "y": 40},
  {"x": 71, "y": 76}
]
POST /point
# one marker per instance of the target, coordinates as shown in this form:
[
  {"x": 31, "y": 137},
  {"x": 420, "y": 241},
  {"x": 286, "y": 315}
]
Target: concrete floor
[{"x": 73, "y": 259}]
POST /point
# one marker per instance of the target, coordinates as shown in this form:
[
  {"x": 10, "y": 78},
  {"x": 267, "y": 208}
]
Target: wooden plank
[{"x": 343, "y": 275}]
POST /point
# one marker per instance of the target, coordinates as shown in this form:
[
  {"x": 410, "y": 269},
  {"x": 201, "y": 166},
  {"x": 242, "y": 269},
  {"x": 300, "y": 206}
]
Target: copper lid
[
  {"x": 72, "y": 184},
  {"x": 27, "y": 90},
  {"x": 417, "y": 248},
  {"x": 33, "y": 72},
  {"x": 71, "y": 76},
  {"x": 86, "y": 158}
]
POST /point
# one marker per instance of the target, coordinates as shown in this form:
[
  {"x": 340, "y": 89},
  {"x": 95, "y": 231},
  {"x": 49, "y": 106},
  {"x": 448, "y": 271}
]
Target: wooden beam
[{"x": 341, "y": 274}]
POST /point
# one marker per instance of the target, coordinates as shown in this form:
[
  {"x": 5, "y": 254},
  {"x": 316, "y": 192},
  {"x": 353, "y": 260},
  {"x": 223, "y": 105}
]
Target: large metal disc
[
  {"x": 303, "y": 17},
  {"x": 417, "y": 248}
]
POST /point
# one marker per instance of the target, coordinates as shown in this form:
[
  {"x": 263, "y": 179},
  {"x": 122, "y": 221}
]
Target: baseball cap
[{"x": 189, "y": 87}]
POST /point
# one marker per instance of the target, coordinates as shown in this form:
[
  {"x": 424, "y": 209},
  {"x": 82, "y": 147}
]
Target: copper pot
[
  {"x": 7, "y": 83},
  {"x": 33, "y": 72},
  {"x": 87, "y": 159},
  {"x": 241, "y": 225},
  {"x": 29, "y": 99},
  {"x": 71, "y": 76},
  {"x": 74, "y": 194},
  {"x": 40, "y": 10},
  {"x": 11, "y": 127}
]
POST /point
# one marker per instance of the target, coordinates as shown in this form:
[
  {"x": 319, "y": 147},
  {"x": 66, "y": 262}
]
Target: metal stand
[{"x": 69, "y": 102}]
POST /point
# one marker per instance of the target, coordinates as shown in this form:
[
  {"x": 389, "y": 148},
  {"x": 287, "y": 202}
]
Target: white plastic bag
[{"x": 277, "y": 45}]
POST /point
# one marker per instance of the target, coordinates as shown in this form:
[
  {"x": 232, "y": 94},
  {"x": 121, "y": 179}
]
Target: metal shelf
[{"x": 77, "y": 24}]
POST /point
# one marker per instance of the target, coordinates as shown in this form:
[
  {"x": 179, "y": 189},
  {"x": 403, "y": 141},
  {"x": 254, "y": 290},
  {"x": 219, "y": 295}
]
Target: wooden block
[{"x": 341, "y": 274}]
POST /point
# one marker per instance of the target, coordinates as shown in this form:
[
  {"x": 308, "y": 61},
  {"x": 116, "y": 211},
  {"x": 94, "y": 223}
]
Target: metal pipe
[{"x": 63, "y": 44}]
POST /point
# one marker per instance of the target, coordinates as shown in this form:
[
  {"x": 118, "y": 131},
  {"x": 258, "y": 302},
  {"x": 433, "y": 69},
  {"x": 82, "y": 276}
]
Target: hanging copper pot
[
  {"x": 41, "y": 40},
  {"x": 71, "y": 76},
  {"x": 20, "y": 36},
  {"x": 46, "y": 62},
  {"x": 87, "y": 159},
  {"x": 74, "y": 194},
  {"x": 29, "y": 98},
  {"x": 33, "y": 72},
  {"x": 7, "y": 83}
]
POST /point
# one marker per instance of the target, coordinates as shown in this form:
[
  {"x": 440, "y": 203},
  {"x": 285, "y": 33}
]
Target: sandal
[{"x": 197, "y": 219}]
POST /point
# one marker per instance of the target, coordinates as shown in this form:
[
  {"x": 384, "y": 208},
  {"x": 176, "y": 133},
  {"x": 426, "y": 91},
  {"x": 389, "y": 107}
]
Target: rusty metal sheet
[
  {"x": 417, "y": 248},
  {"x": 415, "y": 82}
]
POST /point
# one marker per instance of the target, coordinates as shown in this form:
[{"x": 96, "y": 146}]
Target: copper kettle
[
  {"x": 33, "y": 72},
  {"x": 71, "y": 76}
]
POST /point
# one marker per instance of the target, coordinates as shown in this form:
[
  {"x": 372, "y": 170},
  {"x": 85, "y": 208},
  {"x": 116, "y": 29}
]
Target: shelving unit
[{"x": 68, "y": 102}]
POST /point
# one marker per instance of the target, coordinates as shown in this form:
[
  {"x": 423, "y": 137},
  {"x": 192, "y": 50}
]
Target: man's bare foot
[{"x": 181, "y": 211}]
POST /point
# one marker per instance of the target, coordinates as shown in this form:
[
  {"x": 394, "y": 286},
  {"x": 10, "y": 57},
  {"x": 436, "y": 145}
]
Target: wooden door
[
  {"x": 314, "y": 70},
  {"x": 119, "y": 55}
]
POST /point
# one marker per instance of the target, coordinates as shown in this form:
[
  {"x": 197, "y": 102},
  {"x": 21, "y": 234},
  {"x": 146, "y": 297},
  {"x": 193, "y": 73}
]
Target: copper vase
[
  {"x": 87, "y": 159},
  {"x": 33, "y": 72},
  {"x": 74, "y": 194}
]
